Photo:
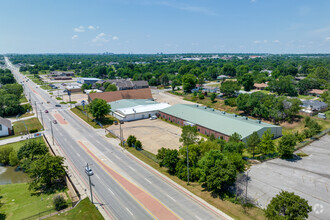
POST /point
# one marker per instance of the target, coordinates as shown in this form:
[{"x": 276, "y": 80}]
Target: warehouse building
[
  {"x": 221, "y": 124},
  {"x": 135, "y": 109},
  {"x": 89, "y": 81},
  {"x": 122, "y": 94}
]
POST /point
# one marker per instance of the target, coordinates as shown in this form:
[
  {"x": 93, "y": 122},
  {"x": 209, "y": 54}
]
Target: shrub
[
  {"x": 201, "y": 96},
  {"x": 13, "y": 160},
  {"x": 59, "y": 202},
  {"x": 138, "y": 144},
  {"x": 33, "y": 131},
  {"x": 131, "y": 140},
  {"x": 4, "y": 154},
  {"x": 231, "y": 102}
]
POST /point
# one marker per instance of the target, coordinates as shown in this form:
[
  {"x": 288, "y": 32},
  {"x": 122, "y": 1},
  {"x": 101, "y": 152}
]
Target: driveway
[
  {"x": 308, "y": 177},
  {"x": 154, "y": 134}
]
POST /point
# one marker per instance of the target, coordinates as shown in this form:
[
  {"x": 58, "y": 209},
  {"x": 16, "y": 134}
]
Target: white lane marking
[
  {"x": 171, "y": 198},
  {"x": 131, "y": 168},
  {"x": 98, "y": 177},
  {"x": 198, "y": 217},
  {"x": 148, "y": 180},
  {"x": 78, "y": 154},
  {"x": 111, "y": 191},
  {"x": 117, "y": 157},
  {"x": 129, "y": 211}
]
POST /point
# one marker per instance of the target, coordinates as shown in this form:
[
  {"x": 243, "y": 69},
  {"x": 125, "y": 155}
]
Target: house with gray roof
[
  {"x": 221, "y": 124},
  {"x": 312, "y": 107},
  {"x": 6, "y": 127}
]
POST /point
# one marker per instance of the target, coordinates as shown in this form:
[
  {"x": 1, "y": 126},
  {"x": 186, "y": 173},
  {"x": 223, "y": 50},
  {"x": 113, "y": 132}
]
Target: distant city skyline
[{"x": 165, "y": 26}]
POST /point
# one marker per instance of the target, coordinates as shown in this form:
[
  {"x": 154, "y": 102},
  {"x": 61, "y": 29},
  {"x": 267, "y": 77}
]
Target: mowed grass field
[
  {"x": 19, "y": 203},
  {"x": 32, "y": 123},
  {"x": 85, "y": 210}
]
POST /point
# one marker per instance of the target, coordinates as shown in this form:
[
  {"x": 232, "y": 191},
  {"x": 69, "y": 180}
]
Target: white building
[
  {"x": 6, "y": 127},
  {"x": 139, "y": 111}
]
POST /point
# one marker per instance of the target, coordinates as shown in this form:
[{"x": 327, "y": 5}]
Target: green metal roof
[
  {"x": 127, "y": 103},
  {"x": 222, "y": 122}
]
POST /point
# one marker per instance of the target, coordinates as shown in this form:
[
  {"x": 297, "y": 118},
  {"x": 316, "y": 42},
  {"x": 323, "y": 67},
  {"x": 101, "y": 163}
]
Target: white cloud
[
  {"x": 74, "y": 37},
  {"x": 91, "y": 27},
  {"x": 115, "y": 38},
  {"x": 79, "y": 29},
  {"x": 327, "y": 38},
  {"x": 257, "y": 41},
  {"x": 194, "y": 44},
  {"x": 253, "y": 1},
  {"x": 276, "y": 41},
  {"x": 100, "y": 38}
]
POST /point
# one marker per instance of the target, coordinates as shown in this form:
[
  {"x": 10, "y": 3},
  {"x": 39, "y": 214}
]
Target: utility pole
[
  {"x": 187, "y": 165},
  {"x": 35, "y": 104},
  {"x": 89, "y": 173},
  {"x": 42, "y": 120},
  {"x": 51, "y": 127}
]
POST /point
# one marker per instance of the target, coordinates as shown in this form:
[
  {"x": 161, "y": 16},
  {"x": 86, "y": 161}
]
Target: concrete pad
[{"x": 308, "y": 177}]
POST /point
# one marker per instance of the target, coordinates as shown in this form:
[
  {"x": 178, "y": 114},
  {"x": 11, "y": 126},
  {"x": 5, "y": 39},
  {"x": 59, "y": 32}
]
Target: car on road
[
  {"x": 54, "y": 121},
  {"x": 153, "y": 117},
  {"x": 57, "y": 105},
  {"x": 89, "y": 171},
  {"x": 46, "y": 111},
  {"x": 48, "y": 102}
]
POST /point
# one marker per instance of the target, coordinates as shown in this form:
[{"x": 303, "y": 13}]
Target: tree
[
  {"x": 4, "y": 154},
  {"x": 110, "y": 88},
  {"x": 168, "y": 158},
  {"x": 174, "y": 84},
  {"x": 85, "y": 86},
  {"x": 131, "y": 140},
  {"x": 212, "y": 97},
  {"x": 289, "y": 206},
  {"x": 13, "y": 160},
  {"x": 236, "y": 137},
  {"x": 46, "y": 172},
  {"x": 188, "y": 135},
  {"x": 247, "y": 81},
  {"x": 31, "y": 150},
  {"x": 99, "y": 108},
  {"x": 287, "y": 146},
  {"x": 188, "y": 82},
  {"x": 267, "y": 144},
  {"x": 228, "y": 69},
  {"x": 138, "y": 144},
  {"x": 229, "y": 88},
  {"x": 201, "y": 95},
  {"x": 253, "y": 142},
  {"x": 283, "y": 86},
  {"x": 322, "y": 73},
  {"x": 217, "y": 172}
]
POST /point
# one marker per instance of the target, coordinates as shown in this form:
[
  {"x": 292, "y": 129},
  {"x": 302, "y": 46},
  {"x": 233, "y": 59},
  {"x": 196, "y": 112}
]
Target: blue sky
[{"x": 168, "y": 26}]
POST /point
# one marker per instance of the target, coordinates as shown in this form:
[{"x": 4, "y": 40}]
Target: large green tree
[
  {"x": 188, "y": 82},
  {"x": 267, "y": 144},
  {"x": 168, "y": 158},
  {"x": 287, "y": 206},
  {"x": 287, "y": 146},
  {"x": 229, "y": 88},
  {"x": 253, "y": 142},
  {"x": 189, "y": 135},
  {"x": 99, "y": 108},
  {"x": 31, "y": 150},
  {"x": 46, "y": 172}
]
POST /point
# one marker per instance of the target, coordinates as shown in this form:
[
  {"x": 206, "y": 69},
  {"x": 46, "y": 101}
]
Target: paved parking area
[
  {"x": 163, "y": 96},
  {"x": 308, "y": 177},
  {"x": 154, "y": 134}
]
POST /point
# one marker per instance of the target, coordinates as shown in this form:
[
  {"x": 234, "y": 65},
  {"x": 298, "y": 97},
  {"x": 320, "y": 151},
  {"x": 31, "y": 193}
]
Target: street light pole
[
  {"x": 35, "y": 104},
  {"x": 187, "y": 165},
  {"x": 51, "y": 127},
  {"x": 42, "y": 120},
  {"x": 89, "y": 173}
]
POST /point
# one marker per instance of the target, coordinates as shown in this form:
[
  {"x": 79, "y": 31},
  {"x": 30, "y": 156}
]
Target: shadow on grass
[{"x": 2, "y": 216}]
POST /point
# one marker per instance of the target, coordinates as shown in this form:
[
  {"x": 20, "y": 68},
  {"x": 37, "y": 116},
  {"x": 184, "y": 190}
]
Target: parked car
[
  {"x": 48, "y": 102},
  {"x": 57, "y": 105},
  {"x": 153, "y": 117},
  {"x": 116, "y": 122},
  {"x": 46, "y": 111},
  {"x": 54, "y": 121},
  {"x": 89, "y": 171}
]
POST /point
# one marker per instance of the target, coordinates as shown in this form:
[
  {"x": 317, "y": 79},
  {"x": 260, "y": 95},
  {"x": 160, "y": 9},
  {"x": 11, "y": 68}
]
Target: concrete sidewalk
[{"x": 17, "y": 139}]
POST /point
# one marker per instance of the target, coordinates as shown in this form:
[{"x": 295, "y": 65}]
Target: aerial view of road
[{"x": 124, "y": 187}]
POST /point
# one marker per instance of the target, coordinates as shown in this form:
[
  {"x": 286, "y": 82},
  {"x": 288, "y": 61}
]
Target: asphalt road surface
[{"x": 125, "y": 187}]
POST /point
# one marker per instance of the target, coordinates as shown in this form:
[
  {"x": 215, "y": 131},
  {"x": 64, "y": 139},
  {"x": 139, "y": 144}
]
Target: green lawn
[
  {"x": 18, "y": 202},
  {"x": 85, "y": 210},
  {"x": 23, "y": 99},
  {"x": 26, "y": 115},
  {"x": 32, "y": 123},
  {"x": 17, "y": 145}
]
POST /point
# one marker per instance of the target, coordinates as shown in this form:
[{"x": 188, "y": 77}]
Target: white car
[{"x": 153, "y": 117}]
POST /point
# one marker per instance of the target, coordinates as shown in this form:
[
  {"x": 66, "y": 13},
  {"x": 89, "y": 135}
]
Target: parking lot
[
  {"x": 154, "y": 134},
  {"x": 308, "y": 177}
]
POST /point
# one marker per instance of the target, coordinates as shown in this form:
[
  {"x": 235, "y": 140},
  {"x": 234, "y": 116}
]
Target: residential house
[
  {"x": 316, "y": 92},
  {"x": 144, "y": 93},
  {"x": 6, "y": 127},
  {"x": 260, "y": 86},
  {"x": 312, "y": 107}
]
